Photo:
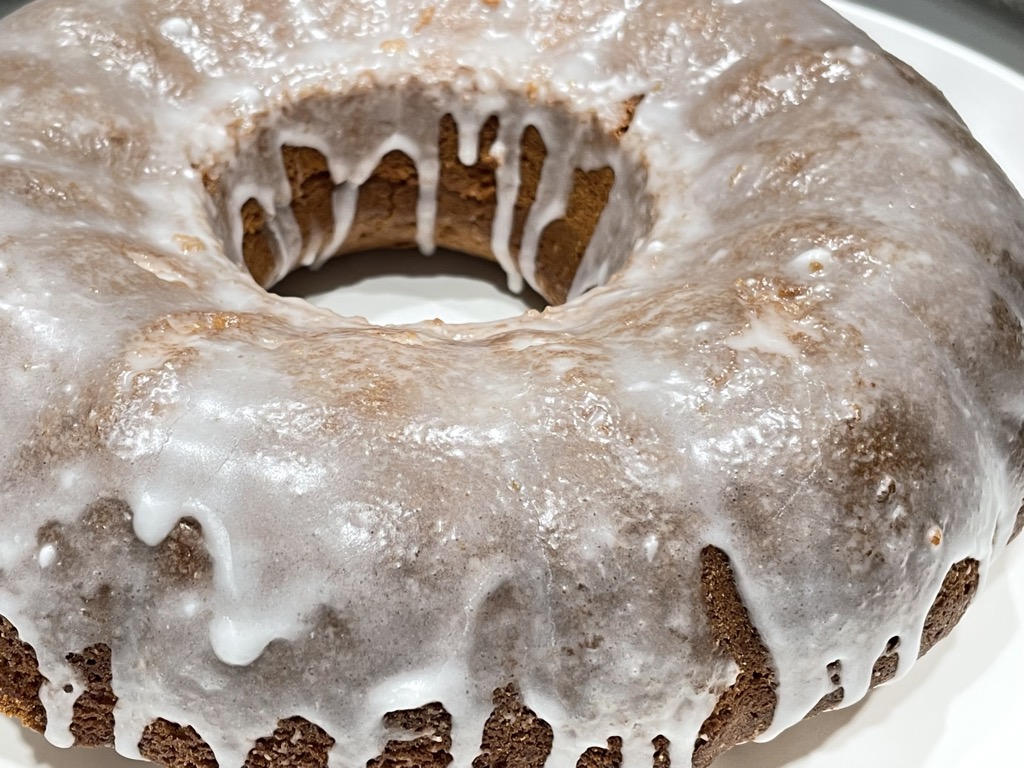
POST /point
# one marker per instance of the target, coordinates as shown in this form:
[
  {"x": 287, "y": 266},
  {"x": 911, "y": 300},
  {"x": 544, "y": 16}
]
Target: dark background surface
[{"x": 994, "y": 27}]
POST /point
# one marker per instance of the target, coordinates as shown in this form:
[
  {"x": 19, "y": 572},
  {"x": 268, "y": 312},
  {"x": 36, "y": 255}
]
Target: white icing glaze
[{"x": 402, "y": 515}]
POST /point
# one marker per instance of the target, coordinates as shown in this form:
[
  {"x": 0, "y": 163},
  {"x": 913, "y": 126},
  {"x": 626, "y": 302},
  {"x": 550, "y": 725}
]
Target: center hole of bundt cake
[
  {"x": 394, "y": 287},
  {"x": 539, "y": 194}
]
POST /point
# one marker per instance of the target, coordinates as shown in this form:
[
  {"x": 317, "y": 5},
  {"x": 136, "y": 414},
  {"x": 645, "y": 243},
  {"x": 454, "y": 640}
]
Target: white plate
[{"x": 960, "y": 707}]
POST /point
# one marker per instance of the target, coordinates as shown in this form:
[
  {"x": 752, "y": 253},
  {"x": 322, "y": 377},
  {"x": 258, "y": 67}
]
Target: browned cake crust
[{"x": 513, "y": 737}]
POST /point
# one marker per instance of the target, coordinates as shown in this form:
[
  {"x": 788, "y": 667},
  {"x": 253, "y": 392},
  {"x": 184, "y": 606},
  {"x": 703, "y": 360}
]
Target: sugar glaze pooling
[{"x": 743, "y": 382}]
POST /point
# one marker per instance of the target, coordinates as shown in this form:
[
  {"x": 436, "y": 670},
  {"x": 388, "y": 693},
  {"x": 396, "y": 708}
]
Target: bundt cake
[{"x": 755, "y": 458}]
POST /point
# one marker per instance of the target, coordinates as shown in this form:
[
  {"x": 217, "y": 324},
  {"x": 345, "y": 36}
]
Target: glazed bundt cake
[{"x": 754, "y": 458}]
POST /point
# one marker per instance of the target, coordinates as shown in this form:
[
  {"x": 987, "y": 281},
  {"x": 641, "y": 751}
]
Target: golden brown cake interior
[{"x": 386, "y": 210}]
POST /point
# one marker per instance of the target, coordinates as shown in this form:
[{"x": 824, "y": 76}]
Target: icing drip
[
  {"x": 586, "y": 148},
  {"x": 507, "y": 177},
  {"x": 344, "y": 200}
]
